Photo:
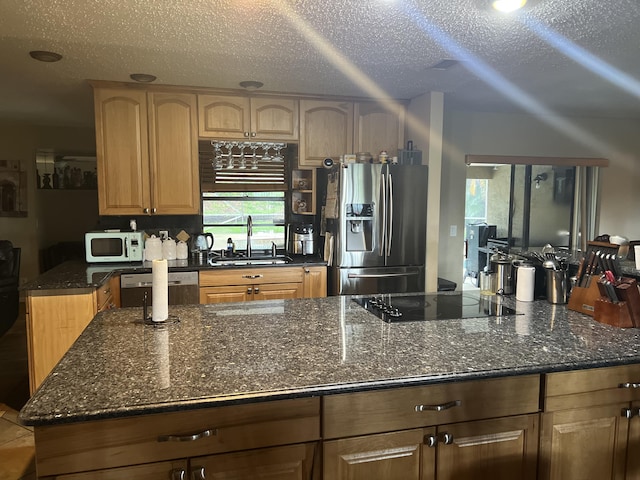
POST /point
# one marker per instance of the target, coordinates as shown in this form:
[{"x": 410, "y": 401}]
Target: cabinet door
[
  {"x": 122, "y": 151},
  {"x": 326, "y": 130},
  {"x": 315, "y": 282},
  {"x": 231, "y": 293},
  {"x": 175, "y": 470},
  {"x": 223, "y": 116},
  {"x": 584, "y": 443},
  {"x": 498, "y": 449},
  {"x": 274, "y": 119},
  {"x": 377, "y": 128},
  {"x": 277, "y": 291},
  {"x": 54, "y": 323},
  {"x": 173, "y": 150},
  {"x": 293, "y": 462},
  {"x": 633, "y": 446},
  {"x": 378, "y": 457}
]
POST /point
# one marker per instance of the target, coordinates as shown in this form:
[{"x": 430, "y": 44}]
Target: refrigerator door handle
[
  {"x": 381, "y": 275},
  {"x": 383, "y": 230},
  {"x": 390, "y": 210}
]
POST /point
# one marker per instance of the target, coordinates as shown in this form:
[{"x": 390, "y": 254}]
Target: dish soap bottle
[{"x": 230, "y": 247}]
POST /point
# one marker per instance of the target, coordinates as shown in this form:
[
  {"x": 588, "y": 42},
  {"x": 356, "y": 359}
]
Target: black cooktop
[{"x": 424, "y": 307}]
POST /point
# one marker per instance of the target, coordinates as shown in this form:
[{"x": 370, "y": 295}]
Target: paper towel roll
[
  {"x": 159, "y": 291},
  {"x": 525, "y": 283}
]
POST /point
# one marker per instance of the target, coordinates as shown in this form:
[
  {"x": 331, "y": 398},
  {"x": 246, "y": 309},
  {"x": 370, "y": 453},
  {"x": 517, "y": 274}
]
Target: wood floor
[{"x": 17, "y": 452}]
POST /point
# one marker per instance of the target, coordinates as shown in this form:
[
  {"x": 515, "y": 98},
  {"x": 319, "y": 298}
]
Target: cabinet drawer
[
  {"x": 103, "y": 295},
  {"x": 399, "y": 409},
  {"x": 251, "y": 276},
  {"x": 126, "y": 441},
  {"x": 597, "y": 386}
]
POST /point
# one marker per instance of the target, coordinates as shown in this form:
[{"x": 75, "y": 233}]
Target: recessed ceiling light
[
  {"x": 508, "y": 5},
  {"x": 251, "y": 84},
  {"x": 142, "y": 77},
  {"x": 45, "y": 56}
]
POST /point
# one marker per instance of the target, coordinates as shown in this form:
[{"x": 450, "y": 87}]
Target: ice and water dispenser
[{"x": 359, "y": 227}]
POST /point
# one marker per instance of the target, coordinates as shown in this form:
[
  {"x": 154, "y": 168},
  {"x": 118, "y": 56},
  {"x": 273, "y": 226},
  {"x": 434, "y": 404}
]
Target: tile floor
[{"x": 17, "y": 451}]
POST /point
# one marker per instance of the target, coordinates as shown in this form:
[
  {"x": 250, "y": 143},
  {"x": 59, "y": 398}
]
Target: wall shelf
[{"x": 303, "y": 186}]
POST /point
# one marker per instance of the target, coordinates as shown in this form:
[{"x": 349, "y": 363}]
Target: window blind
[{"x": 268, "y": 176}]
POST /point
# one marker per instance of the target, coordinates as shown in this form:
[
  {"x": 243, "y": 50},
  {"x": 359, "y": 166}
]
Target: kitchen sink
[{"x": 254, "y": 260}]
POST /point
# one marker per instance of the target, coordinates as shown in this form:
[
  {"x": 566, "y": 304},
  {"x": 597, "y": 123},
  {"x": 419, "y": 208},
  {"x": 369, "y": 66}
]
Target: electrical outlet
[
  {"x": 453, "y": 230},
  {"x": 164, "y": 234}
]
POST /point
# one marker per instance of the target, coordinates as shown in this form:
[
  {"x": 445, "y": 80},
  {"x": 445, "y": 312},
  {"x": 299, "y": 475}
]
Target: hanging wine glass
[
  {"x": 277, "y": 157},
  {"x": 265, "y": 155},
  {"x": 243, "y": 162},
  {"x": 254, "y": 158},
  {"x": 217, "y": 162},
  {"x": 230, "y": 163}
]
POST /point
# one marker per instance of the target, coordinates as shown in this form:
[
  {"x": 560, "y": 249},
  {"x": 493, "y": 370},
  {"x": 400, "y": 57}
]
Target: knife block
[
  {"x": 583, "y": 299},
  {"x": 614, "y": 314}
]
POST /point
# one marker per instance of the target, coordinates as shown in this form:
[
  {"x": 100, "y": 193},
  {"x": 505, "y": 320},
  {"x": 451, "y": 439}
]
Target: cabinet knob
[
  {"x": 154, "y": 210},
  {"x": 249, "y": 290},
  {"x": 629, "y": 412},
  {"x": 430, "y": 440},
  {"x": 306, "y": 270},
  {"x": 447, "y": 438},
  {"x": 197, "y": 473},
  {"x": 177, "y": 474},
  {"x": 256, "y": 290},
  {"x": 246, "y": 134},
  {"x": 253, "y": 134},
  {"x": 145, "y": 210},
  {"x": 629, "y": 385}
]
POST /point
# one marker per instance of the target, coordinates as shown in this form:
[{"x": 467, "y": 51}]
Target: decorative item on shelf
[
  {"x": 256, "y": 152},
  {"x": 303, "y": 184},
  {"x": 301, "y": 206}
]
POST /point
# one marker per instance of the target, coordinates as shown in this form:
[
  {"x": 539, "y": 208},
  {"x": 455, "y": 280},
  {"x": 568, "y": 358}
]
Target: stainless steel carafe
[{"x": 502, "y": 266}]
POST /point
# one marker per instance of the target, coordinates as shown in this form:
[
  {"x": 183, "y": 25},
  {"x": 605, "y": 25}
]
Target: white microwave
[{"x": 113, "y": 246}]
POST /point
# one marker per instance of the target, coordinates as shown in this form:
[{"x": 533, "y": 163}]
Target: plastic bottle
[{"x": 230, "y": 248}]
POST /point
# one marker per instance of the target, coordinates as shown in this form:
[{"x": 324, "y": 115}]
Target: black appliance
[
  {"x": 426, "y": 307},
  {"x": 477, "y": 237}
]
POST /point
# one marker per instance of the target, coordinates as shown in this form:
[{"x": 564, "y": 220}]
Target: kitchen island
[{"x": 290, "y": 366}]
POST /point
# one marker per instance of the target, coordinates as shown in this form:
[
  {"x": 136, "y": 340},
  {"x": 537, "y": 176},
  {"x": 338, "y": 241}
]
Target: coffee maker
[{"x": 300, "y": 240}]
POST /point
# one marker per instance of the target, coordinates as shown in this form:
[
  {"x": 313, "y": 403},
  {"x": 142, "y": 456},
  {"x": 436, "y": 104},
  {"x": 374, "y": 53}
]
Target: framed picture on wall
[{"x": 13, "y": 189}]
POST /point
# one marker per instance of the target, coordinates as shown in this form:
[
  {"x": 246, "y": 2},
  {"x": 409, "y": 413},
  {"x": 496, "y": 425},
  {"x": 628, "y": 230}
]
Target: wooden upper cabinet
[
  {"x": 173, "y": 151},
  {"x": 262, "y": 118},
  {"x": 326, "y": 130},
  {"x": 379, "y": 128},
  {"x": 147, "y": 151},
  {"x": 122, "y": 151}
]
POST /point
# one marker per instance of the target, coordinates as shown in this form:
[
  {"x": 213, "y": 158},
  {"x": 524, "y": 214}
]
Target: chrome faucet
[{"x": 249, "y": 234}]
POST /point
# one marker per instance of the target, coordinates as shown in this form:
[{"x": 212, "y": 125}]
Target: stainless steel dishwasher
[{"x": 183, "y": 288}]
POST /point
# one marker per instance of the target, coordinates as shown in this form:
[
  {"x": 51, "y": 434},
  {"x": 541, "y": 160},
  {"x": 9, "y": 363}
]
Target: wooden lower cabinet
[
  {"x": 591, "y": 426},
  {"x": 503, "y": 448},
  {"x": 277, "y": 283},
  {"x": 583, "y": 444},
  {"x": 176, "y": 470}
]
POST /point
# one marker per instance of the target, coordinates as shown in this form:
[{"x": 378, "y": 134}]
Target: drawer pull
[
  {"x": 187, "y": 438},
  {"x": 252, "y": 276},
  {"x": 627, "y": 413},
  {"x": 629, "y": 385},
  {"x": 438, "y": 408}
]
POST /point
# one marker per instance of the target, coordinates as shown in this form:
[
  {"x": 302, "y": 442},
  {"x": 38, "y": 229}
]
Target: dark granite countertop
[
  {"x": 255, "y": 351},
  {"x": 79, "y": 276}
]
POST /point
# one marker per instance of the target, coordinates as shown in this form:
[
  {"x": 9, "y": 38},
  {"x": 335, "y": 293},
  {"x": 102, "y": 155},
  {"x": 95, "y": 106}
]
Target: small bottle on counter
[{"x": 230, "y": 247}]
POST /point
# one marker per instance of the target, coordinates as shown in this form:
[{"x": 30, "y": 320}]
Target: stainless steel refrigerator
[{"x": 376, "y": 228}]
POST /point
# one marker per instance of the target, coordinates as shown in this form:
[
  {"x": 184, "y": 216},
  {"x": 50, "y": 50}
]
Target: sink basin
[{"x": 261, "y": 260}]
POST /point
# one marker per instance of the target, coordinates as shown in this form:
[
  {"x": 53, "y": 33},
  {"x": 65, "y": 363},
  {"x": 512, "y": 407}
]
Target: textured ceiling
[{"x": 344, "y": 47}]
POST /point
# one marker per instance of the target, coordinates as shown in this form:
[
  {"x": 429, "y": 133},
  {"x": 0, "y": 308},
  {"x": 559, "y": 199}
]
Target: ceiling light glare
[{"x": 508, "y": 5}]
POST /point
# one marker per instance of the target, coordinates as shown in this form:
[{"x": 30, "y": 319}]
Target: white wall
[{"x": 518, "y": 134}]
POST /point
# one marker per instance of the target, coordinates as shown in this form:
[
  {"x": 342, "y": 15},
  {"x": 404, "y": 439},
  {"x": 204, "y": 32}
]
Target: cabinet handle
[
  {"x": 177, "y": 474},
  {"x": 253, "y": 134},
  {"x": 145, "y": 210},
  {"x": 249, "y": 290},
  {"x": 187, "y": 438},
  {"x": 256, "y": 290},
  {"x": 197, "y": 473},
  {"x": 627, "y": 413},
  {"x": 306, "y": 270},
  {"x": 246, "y": 134},
  {"x": 447, "y": 438},
  {"x": 438, "y": 408},
  {"x": 252, "y": 276},
  {"x": 430, "y": 440},
  {"x": 629, "y": 385},
  {"x": 154, "y": 210}
]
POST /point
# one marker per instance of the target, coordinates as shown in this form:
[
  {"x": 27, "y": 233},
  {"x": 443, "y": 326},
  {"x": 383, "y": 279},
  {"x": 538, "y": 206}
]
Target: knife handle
[{"x": 579, "y": 272}]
